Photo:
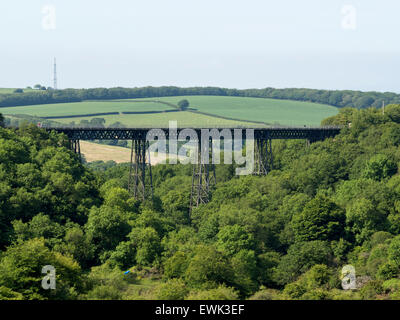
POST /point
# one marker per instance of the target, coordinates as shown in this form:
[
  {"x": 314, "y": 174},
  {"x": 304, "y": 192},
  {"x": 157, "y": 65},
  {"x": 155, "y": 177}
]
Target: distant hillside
[
  {"x": 210, "y": 111},
  {"x": 337, "y": 98}
]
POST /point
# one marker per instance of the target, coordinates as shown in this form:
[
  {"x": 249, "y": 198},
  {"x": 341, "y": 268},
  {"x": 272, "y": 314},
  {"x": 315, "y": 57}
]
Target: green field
[
  {"x": 85, "y": 107},
  {"x": 234, "y": 109},
  {"x": 184, "y": 119},
  {"x": 11, "y": 90},
  {"x": 285, "y": 112}
]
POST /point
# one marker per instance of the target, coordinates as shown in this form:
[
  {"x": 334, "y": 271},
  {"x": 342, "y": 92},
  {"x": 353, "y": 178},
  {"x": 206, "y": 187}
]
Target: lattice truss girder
[{"x": 314, "y": 134}]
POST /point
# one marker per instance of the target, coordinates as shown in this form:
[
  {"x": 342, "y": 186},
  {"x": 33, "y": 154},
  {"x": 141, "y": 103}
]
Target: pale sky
[{"x": 331, "y": 44}]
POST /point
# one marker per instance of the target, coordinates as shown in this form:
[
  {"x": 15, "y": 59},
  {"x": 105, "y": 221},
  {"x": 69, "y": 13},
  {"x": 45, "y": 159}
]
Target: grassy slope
[
  {"x": 161, "y": 120},
  {"x": 95, "y": 151},
  {"x": 271, "y": 111},
  {"x": 285, "y": 112},
  {"x": 85, "y": 107},
  {"x": 11, "y": 90}
]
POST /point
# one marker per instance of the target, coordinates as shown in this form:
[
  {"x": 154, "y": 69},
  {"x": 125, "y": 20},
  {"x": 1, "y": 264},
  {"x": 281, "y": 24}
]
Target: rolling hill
[{"x": 203, "y": 111}]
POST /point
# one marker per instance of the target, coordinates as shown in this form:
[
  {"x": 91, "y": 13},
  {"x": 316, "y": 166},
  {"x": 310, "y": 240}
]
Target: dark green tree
[
  {"x": 321, "y": 219},
  {"x": 21, "y": 271},
  {"x": 380, "y": 167},
  {"x": 300, "y": 257},
  {"x": 208, "y": 267},
  {"x": 107, "y": 227},
  {"x": 183, "y": 104}
]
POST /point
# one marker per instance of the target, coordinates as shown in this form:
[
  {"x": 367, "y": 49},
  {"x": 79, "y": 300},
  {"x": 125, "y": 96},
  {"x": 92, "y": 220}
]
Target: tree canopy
[{"x": 286, "y": 235}]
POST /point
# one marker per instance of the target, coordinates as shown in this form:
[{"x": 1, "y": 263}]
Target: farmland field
[
  {"x": 285, "y": 112},
  {"x": 161, "y": 120},
  {"x": 100, "y": 152},
  {"x": 85, "y": 107},
  {"x": 235, "y": 109},
  {"x": 11, "y": 90}
]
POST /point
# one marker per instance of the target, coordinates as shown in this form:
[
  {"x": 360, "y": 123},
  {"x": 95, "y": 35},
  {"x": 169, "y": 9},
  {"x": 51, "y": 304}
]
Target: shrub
[
  {"x": 173, "y": 289},
  {"x": 220, "y": 293}
]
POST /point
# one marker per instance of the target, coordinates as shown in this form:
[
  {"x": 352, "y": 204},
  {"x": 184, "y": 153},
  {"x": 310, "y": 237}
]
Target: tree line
[{"x": 337, "y": 98}]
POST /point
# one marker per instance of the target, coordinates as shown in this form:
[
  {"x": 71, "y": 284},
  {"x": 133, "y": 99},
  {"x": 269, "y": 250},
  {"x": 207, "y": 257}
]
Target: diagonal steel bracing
[
  {"x": 263, "y": 157},
  {"x": 203, "y": 177},
  {"x": 140, "y": 185}
]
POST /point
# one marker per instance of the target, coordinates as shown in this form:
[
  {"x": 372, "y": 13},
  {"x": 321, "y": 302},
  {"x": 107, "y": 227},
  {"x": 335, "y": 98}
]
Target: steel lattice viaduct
[{"x": 203, "y": 178}]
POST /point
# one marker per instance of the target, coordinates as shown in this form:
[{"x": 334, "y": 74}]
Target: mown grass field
[
  {"x": 184, "y": 119},
  {"x": 285, "y": 112},
  {"x": 95, "y": 152},
  {"x": 85, "y": 107},
  {"x": 237, "y": 109},
  {"x": 11, "y": 90}
]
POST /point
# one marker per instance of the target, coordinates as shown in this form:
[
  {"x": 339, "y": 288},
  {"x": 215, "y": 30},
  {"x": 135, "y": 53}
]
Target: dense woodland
[
  {"x": 343, "y": 98},
  {"x": 286, "y": 235}
]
